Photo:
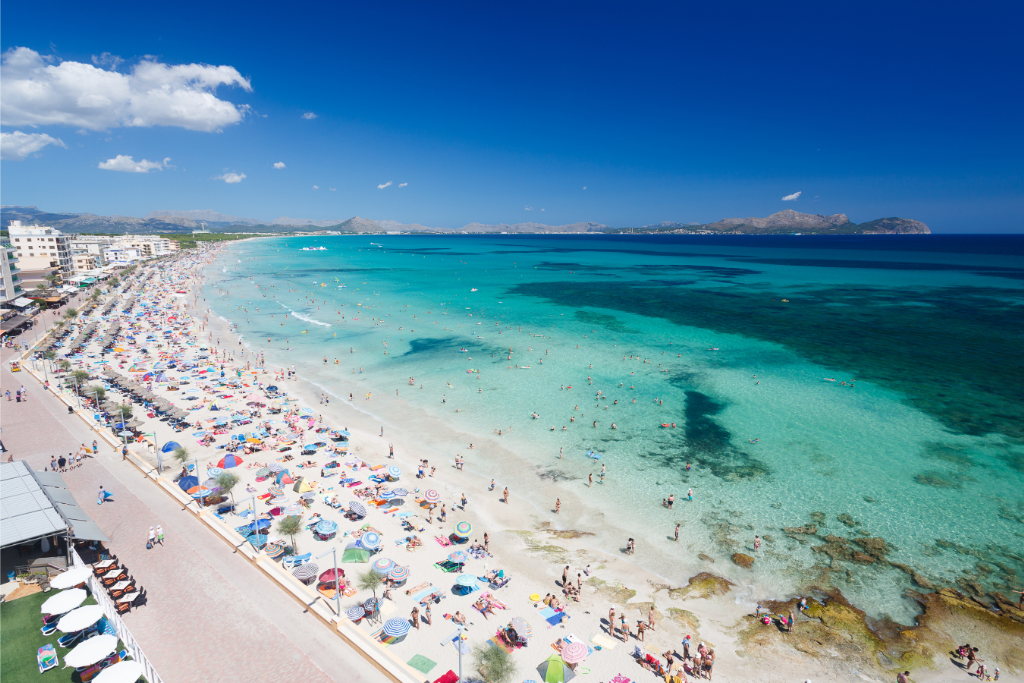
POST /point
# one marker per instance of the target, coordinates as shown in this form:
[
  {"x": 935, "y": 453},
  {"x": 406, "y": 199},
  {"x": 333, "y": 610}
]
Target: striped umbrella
[
  {"x": 396, "y": 628},
  {"x": 276, "y": 490},
  {"x": 401, "y": 492},
  {"x": 398, "y": 573},
  {"x": 326, "y": 527},
  {"x": 388, "y": 495},
  {"x": 306, "y": 411},
  {"x": 214, "y": 471},
  {"x": 278, "y": 500},
  {"x": 463, "y": 529},
  {"x": 308, "y": 495},
  {"x": 357, "y": 508},
  {"x": 355, "y": 613},
  {"x": 382, "y": 566},
  {"x": 395, "y": 471},
  {"x": 459, "y": 557},
  {"x": 198, "y": 491},
  {"x": 294, "y": 509},
  {"x": 574, "y": 653},
  {"x": 522, "y": 627},
  {"x": 306, "y": 571},
  {"x": 370, "y": 540},
  {"x": 263, "y": 471},
  {"x": 432, "y": 496},
  {"x": 275, "y": 467},
  {"x": 371, "y": 605}
]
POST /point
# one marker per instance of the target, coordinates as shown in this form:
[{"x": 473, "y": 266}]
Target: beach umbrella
[
  {"x": 275, "y": 467},
  {"x": 91, "y": 651},
  {"x": 186, "y": 483},
  {"x": 276, "y": 490},
  {"x": 432, "y": 496},
  {"x": 395, "y": 471},
  {"x": 459, "y": 557},
  {"x": 522, "y": 627},
  {"x": 382, "y": 566},
  {"x": 214, "y": 471},
  {"x": 396, "y": 628},
  {"x": 263, "y": 471},
  {"x": 401, "y": 492},
  {"x": 295, "y": 508},
  {"x": 463, "y": 529},
  {"x": 65, "y": 601},
  {"x": 71, "y": 577},
  {"x": 357, "y": 508},
  {"x": 124, "y": 433},
  {"x": 326, "y": 527},
  {"x": 122, "y": 672},
  {"x": 372, "y": 604},
  {"x": 198, "y": 492},
  {"x": 278, "y": 500},
  {"x": 370, "y": 540},
  {"x": 354, "y": 553},
  {"x": 306, "y": 411},
  {"x": 467, "y": 580},
  {"x": 329, "y": 576},
  {"x": 387, "y": 495},
  {"x": 308, "y": 495},
  {"x": 355, "y": 613},
  {"x": 306, "y": 571},
  {"x": 229, "y": 461},
  {"x": 170, "y": 446},
  {"x": 574, "y": 653},
  {"x": 554, "y": 670},
  {"x": 398, "y": 573}
]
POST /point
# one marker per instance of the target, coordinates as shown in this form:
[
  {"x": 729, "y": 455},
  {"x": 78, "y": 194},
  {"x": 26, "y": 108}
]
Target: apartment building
[
  {"x": 85, "y": 261},
  {"x": 146, "y": 246},
  {"x": 10, "y": 281},
  {"x": 39, "y": 247}
]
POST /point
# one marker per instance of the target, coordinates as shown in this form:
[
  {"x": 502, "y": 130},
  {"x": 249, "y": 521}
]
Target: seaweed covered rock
[
  {"x": 743, "y": 560},
  {"x": 703, "y": 585}
]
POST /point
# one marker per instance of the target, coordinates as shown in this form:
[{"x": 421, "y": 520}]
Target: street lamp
[
  {"x": 337, "y": 584},
  {"x": 461, "y": 629}
]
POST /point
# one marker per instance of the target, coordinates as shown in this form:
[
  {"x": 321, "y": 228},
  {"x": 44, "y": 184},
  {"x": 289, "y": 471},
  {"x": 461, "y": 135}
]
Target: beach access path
[{"x": 207, "y": 610}]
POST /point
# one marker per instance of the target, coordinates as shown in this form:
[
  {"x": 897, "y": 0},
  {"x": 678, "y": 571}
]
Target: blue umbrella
[
  {"x": 326, "y": 526},
  {"x": 370, "y": 540},
  {"x": 357, "y": 508},
  {"x": 355, "y": 613},
  {"x": 185, "y": 483},
  {"x": 371, "y": 605},
  {"x": 382, "y": 566},
  {"x": 388, "y": 495},
  {"x": 459, "y": 557},
  {"x": 396, "y": 628},
  {"x": 467, "y": 580},
  {"x": 395, "y": 471}
]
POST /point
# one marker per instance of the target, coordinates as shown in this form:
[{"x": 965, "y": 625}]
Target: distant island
[{"x": 785, "y": 222}]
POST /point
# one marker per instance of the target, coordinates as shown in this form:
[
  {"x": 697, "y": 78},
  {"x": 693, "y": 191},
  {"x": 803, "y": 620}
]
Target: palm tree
[
  {"x": 290, "y": 526},
  {"x": 181, "y": 454},
  {"x": 494, "y": 664},
  {"x": 370, "y": 581},
  {"x": 227, "y": 481},
  {"x": 51, "y": 279},
  {"x": 41, "y": 287}
]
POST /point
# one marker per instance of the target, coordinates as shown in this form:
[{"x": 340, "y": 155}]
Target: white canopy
[
  {"x": 81, "y": 618},
  {"x": 122, "y": 672},
  {"x": 71, "y": 577},
  {"x": 91, "y": 651},
  {"x": 65, "y": 601}
]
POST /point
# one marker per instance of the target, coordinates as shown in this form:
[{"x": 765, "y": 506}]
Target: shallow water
[{"x": 925, "y": 450}]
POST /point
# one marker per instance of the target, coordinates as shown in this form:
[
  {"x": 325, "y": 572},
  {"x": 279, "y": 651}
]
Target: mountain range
[{"x": 176, "y": 221}]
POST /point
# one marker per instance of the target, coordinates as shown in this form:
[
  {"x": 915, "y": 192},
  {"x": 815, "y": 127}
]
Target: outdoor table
[
  {"x": 129, "y": 597},
  {"x": 119, "y": 586},
  {"x": 104, "y": 564}
]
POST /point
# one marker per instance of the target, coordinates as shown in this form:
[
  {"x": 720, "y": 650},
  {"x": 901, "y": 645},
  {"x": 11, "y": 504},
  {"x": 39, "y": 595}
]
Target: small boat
[{"x": 474, "y": 289}]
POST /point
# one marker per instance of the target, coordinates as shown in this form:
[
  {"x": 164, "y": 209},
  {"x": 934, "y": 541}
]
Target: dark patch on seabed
[
  {"x": 953, "y": 352},
  {"x": 709, "y": 444},
  {"x": 994, "y": 271},
  {"x": 609, "y": 322}
]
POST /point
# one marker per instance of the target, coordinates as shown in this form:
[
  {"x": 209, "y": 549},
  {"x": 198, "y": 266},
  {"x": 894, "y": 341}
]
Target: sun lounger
[
  {"x": 295, "y": 560},
  {"x": 46, "y": 657}
]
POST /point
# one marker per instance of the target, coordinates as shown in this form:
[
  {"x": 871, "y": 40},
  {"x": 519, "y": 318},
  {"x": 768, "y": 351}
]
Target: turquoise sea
[{"x": 734, "y": 340}]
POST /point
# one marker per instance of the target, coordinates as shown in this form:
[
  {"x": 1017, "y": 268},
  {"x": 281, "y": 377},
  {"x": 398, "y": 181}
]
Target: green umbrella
[{"x": 554, "y": 670}]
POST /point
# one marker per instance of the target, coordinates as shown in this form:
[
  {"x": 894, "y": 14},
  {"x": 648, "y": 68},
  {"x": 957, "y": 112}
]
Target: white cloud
[
  {"x": 316, "y": 187},
  {"x": 279, "y": 164},
  {"x": 231, "y": 178},
  {"x": 309, "y": 116},
  {"x": 527, "y": 208},
  {"x": 584, "y": 187},
  {"x": 17, "y": 145},
  {"x": 387, "y": 184},
  {"x": 543, "y": 209},
  {"x": 792, "y": 197},
  {"x": 334, "y": 189},
  {"x": 402, "y": 184},
  {"x": 126, "y": 164},
  {"x": 37, "y": 92}
]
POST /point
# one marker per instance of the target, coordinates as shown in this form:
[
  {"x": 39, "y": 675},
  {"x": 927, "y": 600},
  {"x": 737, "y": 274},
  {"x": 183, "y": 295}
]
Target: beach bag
[{"x": 149, "y": 545}]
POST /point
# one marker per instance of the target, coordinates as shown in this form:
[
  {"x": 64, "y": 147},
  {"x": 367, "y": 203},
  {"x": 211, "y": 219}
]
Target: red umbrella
[{"x": 328, "y": 576}]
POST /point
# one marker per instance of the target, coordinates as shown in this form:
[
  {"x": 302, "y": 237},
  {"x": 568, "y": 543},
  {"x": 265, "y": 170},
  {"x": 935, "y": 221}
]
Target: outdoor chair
[
  {"x": 114, "y": 579},
  {"x": 48, "y": 629},
  {"x": 72, "y": 638},
  {"x": 46, "y": 657},
  {"x": 293, "y": 561}
]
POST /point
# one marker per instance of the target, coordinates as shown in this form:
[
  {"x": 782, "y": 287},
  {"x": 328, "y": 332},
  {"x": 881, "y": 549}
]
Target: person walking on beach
[
  {"x": 640, "y": 631},
  {"x": 416, "y": 618},
  {"x": 650, "y": 618},
  {"x": 504, "y": 498},
  {"x": 611, "y": 622},
  {"x": 53, "y": 462},
  {"x": 426, "y": 614},
  {"x": 487, "y": 543},
  {"x": 159, "y": 534},
  {"x": 151, "y": 541},
  {"x": 677, "y": 532},
  {"x": 558, "y": 505},
  {"x": 624, "y": 627}
]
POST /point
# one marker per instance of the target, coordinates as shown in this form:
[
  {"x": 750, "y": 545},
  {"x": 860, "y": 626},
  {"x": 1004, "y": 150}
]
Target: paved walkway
[{"x": 209, "y": 613}]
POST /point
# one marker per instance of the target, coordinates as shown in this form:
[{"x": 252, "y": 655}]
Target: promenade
[{"x": 207, "y": 612}]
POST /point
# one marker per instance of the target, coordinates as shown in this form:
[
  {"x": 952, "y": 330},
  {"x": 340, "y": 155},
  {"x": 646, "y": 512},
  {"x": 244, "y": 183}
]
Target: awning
[
  {"x": 88, "y": 531},
  {"x": 21, "y": 302},
  {"x": 14, "y": 323},
  {"x": 35, "y": 505}
]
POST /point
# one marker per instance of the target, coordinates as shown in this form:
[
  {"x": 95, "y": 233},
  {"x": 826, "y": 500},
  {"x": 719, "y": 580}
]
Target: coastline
[{"x": 641, "y": 585}]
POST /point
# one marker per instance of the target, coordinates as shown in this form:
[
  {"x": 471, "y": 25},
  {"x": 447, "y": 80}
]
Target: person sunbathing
[
  {"x": 492, "y": 575},
  {"x": 484, "y": 608}
]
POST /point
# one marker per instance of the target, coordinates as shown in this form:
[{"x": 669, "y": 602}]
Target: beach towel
[
  {"x": 495, "y": 642},
  {"x": 422, "y": 664},
  {"x": 603, "y": 641},
  {"x": 422, "y": 594}
]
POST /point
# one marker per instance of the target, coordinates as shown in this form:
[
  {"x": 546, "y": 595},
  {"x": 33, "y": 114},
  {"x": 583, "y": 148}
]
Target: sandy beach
[{"x": 166, "y": 348}]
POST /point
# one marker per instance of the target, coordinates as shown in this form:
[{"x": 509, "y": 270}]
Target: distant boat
[
  {"x": 474, "y": 289},
  {"x": 313, "y": 249}
]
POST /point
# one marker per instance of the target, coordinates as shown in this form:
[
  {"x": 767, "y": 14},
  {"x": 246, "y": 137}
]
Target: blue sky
[{"x": 504, "y": 114}]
